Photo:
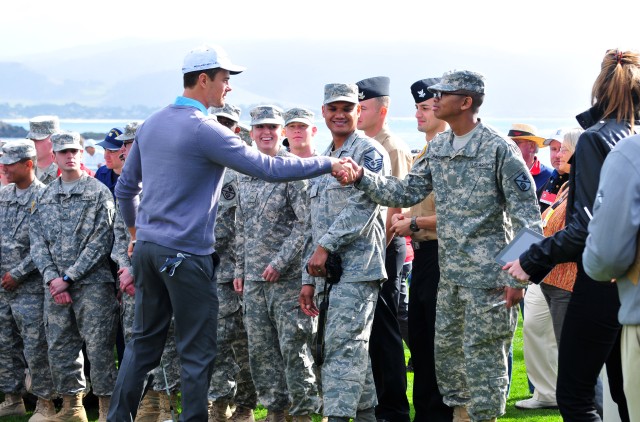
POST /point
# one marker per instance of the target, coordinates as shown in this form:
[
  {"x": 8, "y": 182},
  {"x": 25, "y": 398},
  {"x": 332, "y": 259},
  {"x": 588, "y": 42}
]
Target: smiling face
[
  {"x": 341, "y": 117},
  {"x": 267, "y": 137}
]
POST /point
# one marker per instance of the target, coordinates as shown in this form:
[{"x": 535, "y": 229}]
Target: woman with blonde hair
[{"x": 591, "y": 332}]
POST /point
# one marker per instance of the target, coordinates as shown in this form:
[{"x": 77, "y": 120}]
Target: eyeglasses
[{"x": 440, "y": 94}]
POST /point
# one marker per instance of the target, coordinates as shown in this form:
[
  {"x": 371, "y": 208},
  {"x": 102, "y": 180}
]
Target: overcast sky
[{"x": 573, "y": 27}]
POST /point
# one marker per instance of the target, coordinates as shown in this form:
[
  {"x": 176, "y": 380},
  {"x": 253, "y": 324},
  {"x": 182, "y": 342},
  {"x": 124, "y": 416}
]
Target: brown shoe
[
  {"x": 13, "y": 405},
  {"x": 72, "y": 410},
  {"x": 149, "y": 408},
  {"x": 243, "y": 414},
  {"x": 44, "y": 409}
]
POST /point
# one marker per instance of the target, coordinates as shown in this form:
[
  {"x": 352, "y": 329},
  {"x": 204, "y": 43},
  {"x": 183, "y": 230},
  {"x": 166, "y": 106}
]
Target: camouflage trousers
[
  {"x": 22, "y": 337},
  {"x": 231, "y": 379},
  {"x": 347, "y": 380},
  {"x": 279, "y": 336},
  {"x": 91, "y": 319},
  {"x": 169, "y": 359},
  {"x": 472, "y": 342}
]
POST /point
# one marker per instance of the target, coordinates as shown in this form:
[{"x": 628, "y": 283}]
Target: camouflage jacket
[
  {"x": 49, "y": 174},
  {"x": 344, "y": 220},
  {"x": 15, "y": 218},
  {"x": 225, "y": 231},
  {"x": 484, "y": 194},
  {"x": 121, "y": 240},
  {"x": 73, "y": 233},
  {"x": 270, "y": 226}
]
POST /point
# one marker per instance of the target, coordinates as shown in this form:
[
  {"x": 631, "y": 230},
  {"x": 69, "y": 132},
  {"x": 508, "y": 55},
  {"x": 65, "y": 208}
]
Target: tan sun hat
[{"x": 527, "y": 133}]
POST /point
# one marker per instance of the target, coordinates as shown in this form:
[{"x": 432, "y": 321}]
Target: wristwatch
[
  {"x": 414, "y": 224},
  {"x": 67, "y": 279}
]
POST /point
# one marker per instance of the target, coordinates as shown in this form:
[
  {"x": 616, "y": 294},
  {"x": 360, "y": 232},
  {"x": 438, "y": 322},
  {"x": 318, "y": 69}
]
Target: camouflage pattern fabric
[
  {"x": 225, "y": 233},
  {"x": 22, "y": 333},
  {"x": 91, "y": 319},
  {"x": 270, "y": 221},
  {"x": 341, "y": 92},
  {"x": 484, "y": 194},
  {"x": 41, "y": 127},
  {"x": 49, "y": 174},
  {"x": 481, "y": 382},
  {"x": 170, "y": 362},
  {"x": 345, "y": 221},
  {"x": 72, "y": 234},
  {"x": 347, "y": 380},
  {"x": 457, "y": 80},
  {"x": 231, "y": 379}
]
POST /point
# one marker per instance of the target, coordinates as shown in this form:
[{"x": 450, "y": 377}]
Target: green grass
[{"x": 519, "y": 391}]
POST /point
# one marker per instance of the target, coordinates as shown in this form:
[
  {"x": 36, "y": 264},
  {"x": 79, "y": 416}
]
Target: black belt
[{"x": 421, "y": 244}]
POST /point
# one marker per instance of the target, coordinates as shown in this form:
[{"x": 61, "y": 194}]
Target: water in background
[{"x": 405, "y": 128}]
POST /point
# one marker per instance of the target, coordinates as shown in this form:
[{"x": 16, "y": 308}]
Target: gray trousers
[{"x": 190, "y": 295}]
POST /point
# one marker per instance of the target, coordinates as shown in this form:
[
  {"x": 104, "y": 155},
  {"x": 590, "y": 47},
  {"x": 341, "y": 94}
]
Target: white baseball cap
[
  {"x": 209, "y": 57},
  {"x": 558, "y": 135}
]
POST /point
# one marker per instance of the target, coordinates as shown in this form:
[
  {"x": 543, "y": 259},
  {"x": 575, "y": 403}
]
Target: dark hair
[
  {"x": 476, "y": 99},
  {"x": 617, "y": 87},
  {"x": 191, "y": 78},
  {"x": 34, "y": 159}
]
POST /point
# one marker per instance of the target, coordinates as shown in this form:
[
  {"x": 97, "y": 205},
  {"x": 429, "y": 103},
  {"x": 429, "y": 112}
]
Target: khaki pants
[{"x": 630, "y": 349}]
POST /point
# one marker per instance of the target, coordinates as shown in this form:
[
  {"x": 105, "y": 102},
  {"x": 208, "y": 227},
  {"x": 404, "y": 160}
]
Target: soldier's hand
[
  {"x": 126, "y": 281},
  {"x": 238, "y": 285},
  {"x": 8, "y": 283},
  {"x": 401, "y": 226},
  {"x": 516, "y": 271},
  {"x": 57, "y": 286},
  {"x": 63, "y": 298},
  {"x": 132, "y": 244},
  {"x": 513, "y": 296},
  {"x": 306, "y": 301},
  {"x": 346, "y": 171},
  {"x": 316, "y": 265},
  {"x": 270, "y": 274}
]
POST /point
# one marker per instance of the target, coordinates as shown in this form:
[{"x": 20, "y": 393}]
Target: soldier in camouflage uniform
[
  {"x": 231, "y": 380},
  {"x": 270, "y": 222},
  {"x": 71, "y": 235},
  {"x": 40, "y": 130},
  {"x": 299, "y": 130},
  {"x": 22, "y": 295},
  {"x": 484, "y": 194},
  {"x": 345, "y": 222}
]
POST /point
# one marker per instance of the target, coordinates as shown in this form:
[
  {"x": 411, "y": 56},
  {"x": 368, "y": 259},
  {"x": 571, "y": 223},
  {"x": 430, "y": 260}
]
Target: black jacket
[{"x": 567, "y": 245}]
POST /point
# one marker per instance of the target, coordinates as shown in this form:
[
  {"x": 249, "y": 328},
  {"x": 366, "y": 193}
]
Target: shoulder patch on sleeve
[
  {"x": 228, "y": 192},
  {"x": 522, "y": 181},
  {"x": 373, "y": 160}
]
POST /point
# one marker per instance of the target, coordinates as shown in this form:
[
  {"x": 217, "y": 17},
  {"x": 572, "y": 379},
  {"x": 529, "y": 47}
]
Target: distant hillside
[{"x": 10, "y": 131}]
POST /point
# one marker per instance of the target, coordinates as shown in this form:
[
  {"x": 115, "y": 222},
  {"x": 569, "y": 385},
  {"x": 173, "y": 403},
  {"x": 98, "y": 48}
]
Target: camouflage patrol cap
[
  {"x": 456, "y": 80},
  {"x": 420, "y": 89},
  {"x": 13, "y": 152},
  {"x": 41, "y": 127},
  {"x": 66, "y": 140},
  {"x": 229, "y": 111},
  {"x": 297, "y": 114},
  {"x": 341, "y": 92},
  {"x": 266, "y": 114},
  {"x": 129, "y": 132}
]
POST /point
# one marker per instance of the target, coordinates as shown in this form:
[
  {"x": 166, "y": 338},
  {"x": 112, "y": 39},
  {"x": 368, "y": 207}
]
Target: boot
[
  {"x": 13, "y": 405},
  {"x": 276, "y": 416},
  {"x": 460, "y": 414},
  {"x": 243, "y": 414},
  {"x": 168, "y": 405},
  {"x": 103, "y": 407},
  {"x": 44, "y": 409},
  {"x": 72, "y": 410},
  {"x": 219, "y": 411},
  {"x": 149, "y": 407}
]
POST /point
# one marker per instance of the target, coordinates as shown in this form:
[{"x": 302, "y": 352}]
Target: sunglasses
[{"x": 440, "y": 94}]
